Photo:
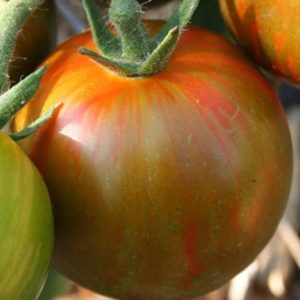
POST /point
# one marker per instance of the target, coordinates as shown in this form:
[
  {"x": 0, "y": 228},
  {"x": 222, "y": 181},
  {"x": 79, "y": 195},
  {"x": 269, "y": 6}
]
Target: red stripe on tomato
[{"x": 193, "y": 265}]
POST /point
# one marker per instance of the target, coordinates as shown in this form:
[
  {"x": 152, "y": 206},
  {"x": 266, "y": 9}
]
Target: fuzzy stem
[
  {"x": 159, "y": 57},
  {"x": 13, "y": 14},
  {"x": 180, "y": 17},
  {"x": 103, "y": 37},
  {"x": 140, "y": 55},
  {"x": 126, "y": 17},
  {"x": 15, "y": 98}
]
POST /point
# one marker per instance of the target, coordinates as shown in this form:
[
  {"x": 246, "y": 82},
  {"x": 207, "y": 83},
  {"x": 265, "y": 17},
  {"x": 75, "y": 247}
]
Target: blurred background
[{"x": 275, "y": 274}]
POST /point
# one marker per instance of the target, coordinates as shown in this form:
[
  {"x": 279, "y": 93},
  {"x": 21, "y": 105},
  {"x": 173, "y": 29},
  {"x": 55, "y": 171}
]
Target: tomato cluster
[{"x": 163, "y": 186}]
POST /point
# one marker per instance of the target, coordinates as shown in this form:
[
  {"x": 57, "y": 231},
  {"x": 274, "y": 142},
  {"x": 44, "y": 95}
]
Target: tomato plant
[
  {"x": 36, "y": 39},
  {"x": 26, "y": 225},
  {"x": 269, "y": 30},
  {"x": 164, "y": 186}
]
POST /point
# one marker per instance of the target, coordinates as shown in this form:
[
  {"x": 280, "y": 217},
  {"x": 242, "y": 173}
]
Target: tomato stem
[
  {"x": 13, "y": 15},
  {"x": 103, "y": 37},
  {"x": 134, "y": 52},
  {"x": 126, "y": 17}
]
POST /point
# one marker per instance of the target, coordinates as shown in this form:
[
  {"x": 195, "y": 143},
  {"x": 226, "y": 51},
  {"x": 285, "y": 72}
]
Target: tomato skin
[
  {"x": 269, "y": 31},
  {"x": 36, "y": 40},
  {"x": 163, "y": 187},
  {"x": 26, "y": 225}
]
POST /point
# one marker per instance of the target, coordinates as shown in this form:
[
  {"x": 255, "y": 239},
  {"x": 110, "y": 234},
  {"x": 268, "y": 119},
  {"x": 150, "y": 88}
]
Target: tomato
[
  {"x": 163, "y": 187},
  {"x": 269, "y": 30},
  {"x": 26, "y": 225},
  {"x": 35, "y": 41}
]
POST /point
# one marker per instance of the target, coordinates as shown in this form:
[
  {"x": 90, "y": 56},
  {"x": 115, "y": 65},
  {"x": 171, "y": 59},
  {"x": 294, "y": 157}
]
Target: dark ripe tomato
[
  {"x": 163, "y": 187},
  {"x": 26, "y": 225},
  {"x": 34, "y": 42},
  {"x": 270, "y": 32}
]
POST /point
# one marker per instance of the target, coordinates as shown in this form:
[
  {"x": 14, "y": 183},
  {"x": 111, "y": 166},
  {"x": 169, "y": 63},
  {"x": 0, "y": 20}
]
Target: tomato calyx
[
  {"x": 12, "y": 100},
  {"x": 133, "y": 53}
]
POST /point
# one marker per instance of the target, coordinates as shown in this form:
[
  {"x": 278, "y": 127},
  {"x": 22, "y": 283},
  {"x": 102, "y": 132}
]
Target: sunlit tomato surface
[
  {"x": 34, "y": 42},
  {"x": 163, "y": 187},
  {"x": 270, "y": 32},
  {"x": 26, "y": 225}
]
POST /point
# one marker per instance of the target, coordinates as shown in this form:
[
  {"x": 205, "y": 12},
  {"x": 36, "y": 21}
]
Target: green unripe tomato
[{"x": 26, "y": 225}]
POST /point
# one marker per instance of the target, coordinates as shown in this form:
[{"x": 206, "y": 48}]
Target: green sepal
[
  {"x": 122, "y": 67},
  {"x": 158, "y": 59},
  {"x": 15, "y": 98},
  {"x": 180, "y": 18},
  {"x": 103, "y": 37},
  {"x": 141, "y": 55},
  {"x": 37, "y": 124}
]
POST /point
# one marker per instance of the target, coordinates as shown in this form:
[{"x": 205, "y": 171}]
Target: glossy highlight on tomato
[
  {"x": 26, "y": 225},
  {"x": 270, "y": 32},
  {"x": 163, "y": 187}
]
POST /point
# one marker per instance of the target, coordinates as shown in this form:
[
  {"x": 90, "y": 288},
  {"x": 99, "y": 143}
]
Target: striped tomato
[
  {"x": 163, "y": 187},
  {"x": 26, "y": 225},
  {"x": 270, "y": 32}
]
